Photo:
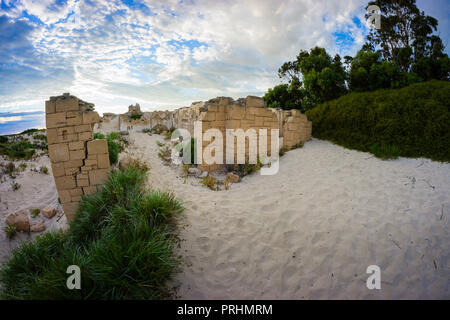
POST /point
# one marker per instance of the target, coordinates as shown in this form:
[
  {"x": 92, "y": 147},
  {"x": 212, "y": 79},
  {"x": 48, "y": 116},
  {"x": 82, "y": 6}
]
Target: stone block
[
  {"x": 103, "y": 161},
  {"x": 76, "y": 192},
  {"x": 73, "y": 164},
  {"x": 58, "y": 152},
  {"x": 252, "y": 101},
  {"x": 90, "y": 162},
  {"x": 90, "y": 117},
  {"x": 65, "y": 183},
  {"x": 65, "y": 131},
  {"x": 50, "y": 106},
  {"x": 89, "y": 190},
  {"x": 85, "y": 136},
  {"x": 97, "y": 146},
  {"x": 75, "y": 121},
  {"x": 48, "y": 212},
  {"x": 64, "y": 196},
  {"x": 82, "y": 180},
  {"x": 77, "y": 155},
  {"x": 70, "y": 210},
  {"x": 83, "y": 128},
  {"x": 98, "y": 176},
  {"x": 66, "y": 104},
  {"x": 58, "y": 169},
  {"x": 52, "y": 136},
  {"x": 73, "y": 114},
  {"x": 71, "y": 171},
  {"x": 76, "y": 198},
  {"x": 55, "y": 120},
  {"x": 78, "y": 145}
]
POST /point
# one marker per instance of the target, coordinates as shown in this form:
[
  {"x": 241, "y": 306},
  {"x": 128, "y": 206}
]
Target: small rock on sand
[
  {"x": 48, "y": 212},
  {"x": 20, "y": 220},
  {"x": 38, "y": 227},
  {"x": 233, "y": 178},
  {"x": 194, "y": 171}
]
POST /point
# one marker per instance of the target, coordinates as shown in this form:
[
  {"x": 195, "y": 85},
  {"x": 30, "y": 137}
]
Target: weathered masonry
[
  {"x": 221, "y": 113},
  {"x": 79, "y": 163}
]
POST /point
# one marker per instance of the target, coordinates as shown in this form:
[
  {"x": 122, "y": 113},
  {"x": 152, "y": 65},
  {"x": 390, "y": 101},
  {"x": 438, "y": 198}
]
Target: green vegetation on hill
[
  {"x": 122, "y": 238},
  {"x": 403, "y": 51},
  {"x": 18, "y": 146},
  {"x": 412, "y": 122}
]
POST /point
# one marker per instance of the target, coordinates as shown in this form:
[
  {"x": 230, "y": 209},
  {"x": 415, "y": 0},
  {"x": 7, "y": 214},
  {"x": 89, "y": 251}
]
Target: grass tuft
[{"x": 122, "y": 238}]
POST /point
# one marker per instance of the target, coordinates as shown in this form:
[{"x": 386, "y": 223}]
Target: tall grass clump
[
  {"x": 122, "y": 238},
  {"x": 410, "y": 122}
]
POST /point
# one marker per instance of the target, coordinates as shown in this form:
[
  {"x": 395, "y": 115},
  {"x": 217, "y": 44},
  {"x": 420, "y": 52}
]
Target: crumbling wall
[
  {"x": 223, "y": 113},
  {"x": 295, "y": 127},
  {"x": 79, "y": 163}
]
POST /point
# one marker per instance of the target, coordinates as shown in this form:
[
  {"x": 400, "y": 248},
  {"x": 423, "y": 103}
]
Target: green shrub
[
  {"x": 40, "y": 137},
  {"x": 10, "y": 231},
  {"x": 29, "y": 131},
  {"x": 34, "y": 212},
  {"x": 114, "y": 135},
  {"x": 410, "y": 122},
  {"x": 17, "y": 150},
  {"x": 15, "y": 186},
  {"x": 3, "y": 139},
  {"x": 43, "y": 170},
  {"x": 122, "y": 238},
  {"x": 99, "y": 136},
  {"x": 136, "y": 116}
]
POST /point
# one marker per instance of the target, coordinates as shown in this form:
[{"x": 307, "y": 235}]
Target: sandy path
[{"x": 311, "y": 230}]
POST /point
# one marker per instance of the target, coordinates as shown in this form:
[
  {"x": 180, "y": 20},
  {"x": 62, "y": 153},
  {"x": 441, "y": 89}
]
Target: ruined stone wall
[
  {"x": 295, "y": 127},
  {"x": 221, "y": 113},
  {"x": 79, "y": 163}
]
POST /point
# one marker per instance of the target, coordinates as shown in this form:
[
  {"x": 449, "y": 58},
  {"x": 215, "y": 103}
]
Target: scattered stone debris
[
  {"x": 233, "y": 178},
  {"x": 38, "y": 227},
  {"x": 194, "y": 172},
  {"x": 48, "y": 212},
  {"x": 20, "y": 220}
]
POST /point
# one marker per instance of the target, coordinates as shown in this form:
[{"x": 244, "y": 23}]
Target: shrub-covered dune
[
  {"x": 409, "y": 122},
  {"x": 122, "y": 239}
]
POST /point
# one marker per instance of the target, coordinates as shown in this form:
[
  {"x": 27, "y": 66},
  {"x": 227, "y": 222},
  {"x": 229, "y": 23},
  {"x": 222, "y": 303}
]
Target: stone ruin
[
  {"x": 80, "y": 164},
  {"x": 221, "y": 113}
]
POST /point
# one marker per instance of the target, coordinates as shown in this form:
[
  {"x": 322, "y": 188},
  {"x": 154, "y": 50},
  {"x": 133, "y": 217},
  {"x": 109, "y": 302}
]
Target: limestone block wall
[
  {"x": 225, "y": 113},
  {"x": 161, "y": 120},
  {"x": 134, "y": 125},
  {"x": 221, "y": 113},
  {"x": 79, "y": 163},
  {"x": 295, "y": 127}
]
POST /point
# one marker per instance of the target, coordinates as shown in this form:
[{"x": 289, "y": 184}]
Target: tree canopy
[{"x": 403, "y": 51}]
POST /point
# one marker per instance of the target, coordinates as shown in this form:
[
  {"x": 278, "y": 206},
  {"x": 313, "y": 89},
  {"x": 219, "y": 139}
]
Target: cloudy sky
[{"x": 168, "y": 53}]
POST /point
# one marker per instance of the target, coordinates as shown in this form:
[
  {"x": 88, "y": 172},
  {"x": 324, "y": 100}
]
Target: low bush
[
  {"x": 17, "y": 150},
  {"x": 34, "y": 212},
  {"x": 410, "y": 122},
  {"x": 122, "y": 238}
]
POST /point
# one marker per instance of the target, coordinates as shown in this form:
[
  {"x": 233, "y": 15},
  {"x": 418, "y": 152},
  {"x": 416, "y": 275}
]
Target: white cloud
[{"x": 118, "y": 55}]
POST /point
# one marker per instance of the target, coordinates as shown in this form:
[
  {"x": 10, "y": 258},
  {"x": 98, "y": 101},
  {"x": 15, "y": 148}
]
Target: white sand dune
[{"x": 310, "y": 231}]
